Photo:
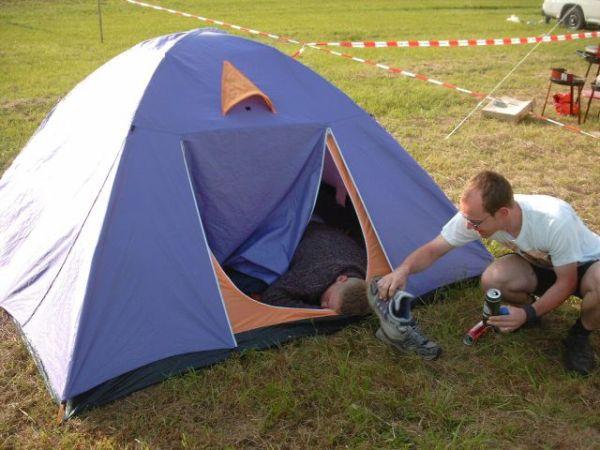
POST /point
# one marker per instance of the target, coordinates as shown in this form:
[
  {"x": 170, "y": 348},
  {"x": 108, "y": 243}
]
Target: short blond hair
[
  {"x": 354, "y": 298},
  {"x": 496, "y": 191}
]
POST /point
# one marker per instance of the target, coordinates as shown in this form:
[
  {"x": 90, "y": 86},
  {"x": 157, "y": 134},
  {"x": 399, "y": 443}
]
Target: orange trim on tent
[
  {"x": 236, "y": 87},
  {"x": 376, "y": 261},
  {"x": 247, "y": 314}
]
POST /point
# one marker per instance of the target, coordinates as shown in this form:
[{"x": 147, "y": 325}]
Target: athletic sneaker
[
  {"x": 398, "y": 328},
  {"x": 579, "y": 356}
]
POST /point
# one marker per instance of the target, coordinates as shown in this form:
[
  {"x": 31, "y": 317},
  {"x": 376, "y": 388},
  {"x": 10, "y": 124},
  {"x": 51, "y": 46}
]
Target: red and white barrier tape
[
  {"x": 396, "y": 70},
  {"x": 390, "y": 69},
  {"x": 402, "y": 72},
  {"x": 461, "y": 42},
  {"x": 571, "y": 128},
  {"x": 216, "y": 22}
]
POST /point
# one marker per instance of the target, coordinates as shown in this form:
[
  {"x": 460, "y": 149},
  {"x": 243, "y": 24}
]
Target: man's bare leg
[
  {"x": 590, "y": 289},
  {"x": 513, "y": 276}
]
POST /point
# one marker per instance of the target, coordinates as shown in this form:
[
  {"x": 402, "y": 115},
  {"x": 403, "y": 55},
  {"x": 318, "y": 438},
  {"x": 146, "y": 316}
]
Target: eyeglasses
[{"x": 476, "y": 224}]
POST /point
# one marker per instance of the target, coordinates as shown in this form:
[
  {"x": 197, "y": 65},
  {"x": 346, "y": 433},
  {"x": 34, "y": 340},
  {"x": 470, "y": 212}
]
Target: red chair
[{"x": 562, "y": 78}]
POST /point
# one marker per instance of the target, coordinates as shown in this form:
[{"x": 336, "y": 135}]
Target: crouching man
[{"x": 555, "y": 256}]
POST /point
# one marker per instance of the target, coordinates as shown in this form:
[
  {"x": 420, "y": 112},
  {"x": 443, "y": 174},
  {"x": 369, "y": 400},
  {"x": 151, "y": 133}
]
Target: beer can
[{"x": 491, "y": 305}]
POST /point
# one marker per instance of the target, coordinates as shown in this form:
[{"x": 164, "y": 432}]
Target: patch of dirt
[{"x": 22, "y": 103}]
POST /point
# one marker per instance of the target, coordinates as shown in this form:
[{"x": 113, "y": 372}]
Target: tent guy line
[
  {"x": 506, "y": 77},
  {"x": 477, "y": 95},
  {"x": 391, "y": 69}
]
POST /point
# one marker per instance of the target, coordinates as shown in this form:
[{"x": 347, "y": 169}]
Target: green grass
[{"x": 346, "y": 390}]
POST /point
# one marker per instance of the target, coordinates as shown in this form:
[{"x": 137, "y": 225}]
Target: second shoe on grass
[{"x": 398, "y": 328}]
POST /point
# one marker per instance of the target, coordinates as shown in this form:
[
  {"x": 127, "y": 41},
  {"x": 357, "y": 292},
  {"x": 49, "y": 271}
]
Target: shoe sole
[
  {"x": 380, "y": 334},
  {"x": 373, "y": 298}
]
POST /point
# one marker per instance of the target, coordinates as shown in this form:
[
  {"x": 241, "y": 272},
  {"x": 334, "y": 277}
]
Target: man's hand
[
  {"x": 512, "y": 321},
  {"x": 417, "y": 261},
  {"x": 388, "y": 285}
]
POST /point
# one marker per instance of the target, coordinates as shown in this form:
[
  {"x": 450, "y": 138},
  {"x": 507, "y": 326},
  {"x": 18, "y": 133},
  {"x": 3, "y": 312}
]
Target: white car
[{"x": 574, "y": 13}]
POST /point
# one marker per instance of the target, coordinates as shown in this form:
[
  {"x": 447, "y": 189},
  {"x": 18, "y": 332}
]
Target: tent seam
[
  {"x": 330, "y": 132},
  {"x": 209, "y": 251},
  {"x": 108, "y": 172}
]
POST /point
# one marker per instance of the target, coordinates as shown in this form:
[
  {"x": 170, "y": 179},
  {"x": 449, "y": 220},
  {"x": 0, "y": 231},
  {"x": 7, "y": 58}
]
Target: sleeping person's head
[{"x": 347, "y": 295}]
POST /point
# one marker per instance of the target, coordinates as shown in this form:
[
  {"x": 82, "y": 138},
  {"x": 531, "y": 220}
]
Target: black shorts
[{"x": 547, "y": 277}]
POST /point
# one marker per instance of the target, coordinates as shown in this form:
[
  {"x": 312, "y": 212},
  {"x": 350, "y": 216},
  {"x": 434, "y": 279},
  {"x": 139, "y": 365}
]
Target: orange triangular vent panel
[{"x": 236, "y": 87}]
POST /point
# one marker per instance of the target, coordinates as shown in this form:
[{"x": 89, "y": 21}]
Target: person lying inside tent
[
  {"x": 327, "y": 271},
  {"x": 328, "y": 267}
]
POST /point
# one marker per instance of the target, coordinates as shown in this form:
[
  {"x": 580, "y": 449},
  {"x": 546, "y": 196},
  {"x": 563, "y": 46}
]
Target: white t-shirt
[{"x": 552, "y": 234}]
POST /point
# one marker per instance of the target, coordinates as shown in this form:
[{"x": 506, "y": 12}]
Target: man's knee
[
  {"x": 509, "y": 273},
  {"x": 492, "y": 277},
  {"x": 497, "y": 275}
]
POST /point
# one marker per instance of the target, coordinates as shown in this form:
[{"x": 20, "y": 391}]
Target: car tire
[{"x": 573, "y": 18}]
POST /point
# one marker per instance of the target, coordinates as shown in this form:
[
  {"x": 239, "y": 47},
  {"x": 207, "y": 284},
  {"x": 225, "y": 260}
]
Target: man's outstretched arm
[{"x": 417, "y": 261}]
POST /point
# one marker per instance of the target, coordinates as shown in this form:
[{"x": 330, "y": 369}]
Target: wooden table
[{"x": 576, "y": 82}]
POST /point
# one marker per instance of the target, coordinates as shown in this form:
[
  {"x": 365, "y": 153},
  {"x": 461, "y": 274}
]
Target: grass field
[{"x": 345, "y": 390}]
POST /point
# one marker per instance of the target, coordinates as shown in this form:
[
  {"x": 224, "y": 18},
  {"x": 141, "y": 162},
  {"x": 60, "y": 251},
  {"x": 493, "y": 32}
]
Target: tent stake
[
  {"x": 60, "y": 415},
  {"x": 100, "y": 23}
]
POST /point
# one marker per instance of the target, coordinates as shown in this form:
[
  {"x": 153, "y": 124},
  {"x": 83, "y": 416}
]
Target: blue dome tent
[{"x": 183, "y": 154}]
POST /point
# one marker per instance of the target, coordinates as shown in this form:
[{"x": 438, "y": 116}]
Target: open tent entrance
[{"x": 256, "y": 190}]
